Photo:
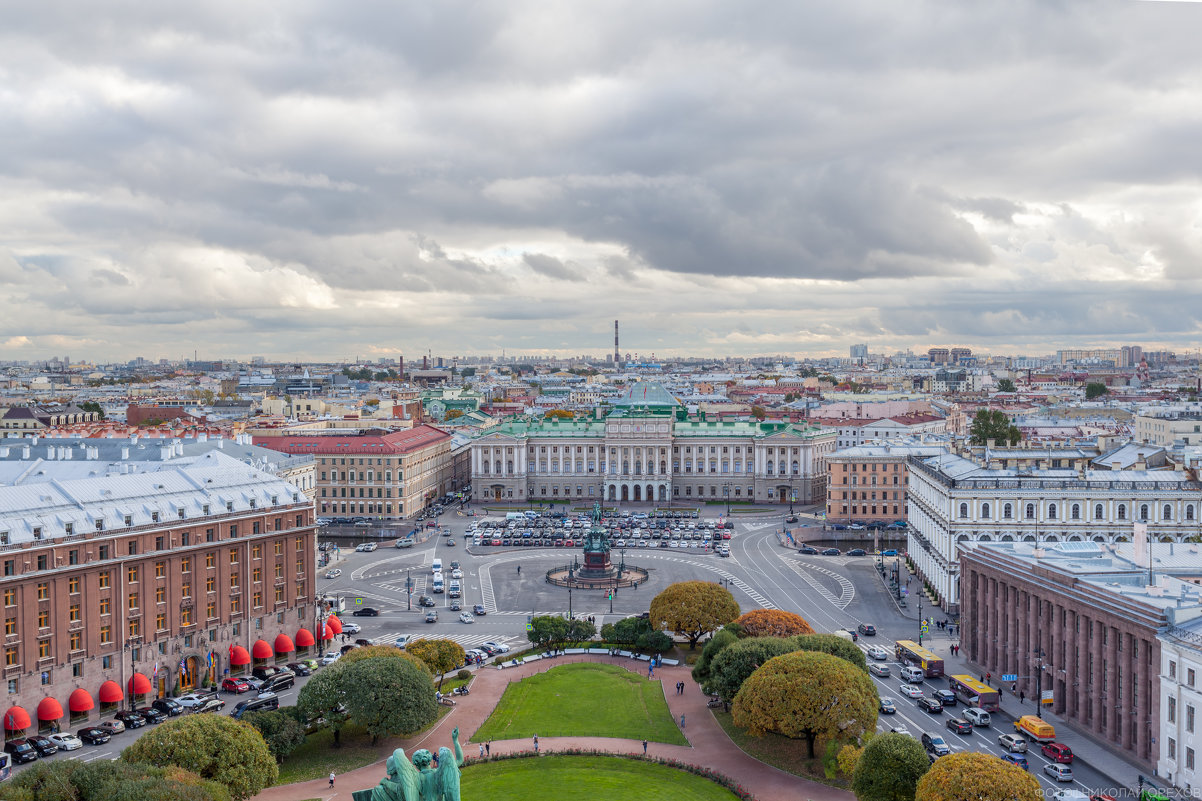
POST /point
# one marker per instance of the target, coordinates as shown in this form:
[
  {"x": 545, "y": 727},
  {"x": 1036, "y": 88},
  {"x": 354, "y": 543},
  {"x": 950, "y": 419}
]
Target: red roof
[{"x": 397, "y": 442}]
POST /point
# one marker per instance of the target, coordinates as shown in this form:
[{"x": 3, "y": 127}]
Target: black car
[
  {"x": 43, "y": 745},
  {"x": 831, "y": 552},
  {"x": 791, "y": 519},
  {"x": 455, "y": 607},
  {"x": 867, "y": 629},
  {"x": 425, "y": 600},
  {"x": 930, "y": 705},
  {"x": 22, "y": 751},
  {"x": 168, "y": 706},
  {"x": 93, "y": 736},
  {"x": 478, "y": 610},
  {"x": 299, "y": 669},
  {"x": 857, "y": 552},
  {"x": 806, "y": 549},
  {"x": 366, "y": 611},
  {"x": 211, "y": 705},
  {"x": 151, "y": 715},
  {"x": 945, "y": 697},
  {"x": 131, "y": 719},
  {"x": 959, "y": 725}
]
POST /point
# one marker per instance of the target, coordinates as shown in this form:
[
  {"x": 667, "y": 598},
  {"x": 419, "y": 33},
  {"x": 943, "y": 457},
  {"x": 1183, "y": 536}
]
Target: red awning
[
  {"x": 261, "y": 650},
  {"x": 239, "y": 656},
  {"x": 16, "y": 719},
  {"x": 283, "y": 644},
  {"x": 335, "y": 624},
  {"x": 139, "y": 685},
  {"x": 81, "y": 701},
  {"x": 110, "y": 693},
  {"x": 326, "y": 634},
  {"x": 49, "y": 709},
  {"x": 304, "y": 638}
]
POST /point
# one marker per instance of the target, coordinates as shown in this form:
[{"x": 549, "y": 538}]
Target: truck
[{"x": 1036, "y": 728}]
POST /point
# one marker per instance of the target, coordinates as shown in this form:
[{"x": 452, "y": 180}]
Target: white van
[
  {"x": 911, "y": 674},
  {"x": 438, "y": 582},
  {"x": 515, "y": 516},
  {"x": 437, "y": 566}
]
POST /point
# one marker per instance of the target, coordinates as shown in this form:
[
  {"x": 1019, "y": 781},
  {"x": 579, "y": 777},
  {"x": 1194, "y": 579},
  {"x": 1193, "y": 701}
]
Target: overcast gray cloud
[{"x": 319, "y": 181}]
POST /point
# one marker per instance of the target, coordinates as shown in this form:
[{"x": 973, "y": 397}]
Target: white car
[
  {"x": 500, "y": 648},
  {"x": 334, "y": 573},
  {"x": 351, "y": 628},
  {"x": 456, "y": 574},
  {"x": 329, "y": 658},
  {"x": 404, "y": 640},
  {"x": 466, "y": 617},
  {"x": 878, "y": 653},
  {"x": 66, "y": 741},
  {"x": 900, "y": 728},
  {"x": 192, "y": 700},
  {"x": 910, "y": 690}
]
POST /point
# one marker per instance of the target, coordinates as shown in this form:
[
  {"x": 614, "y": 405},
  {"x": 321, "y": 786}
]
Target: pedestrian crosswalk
[{"x": 467, "y": 640}]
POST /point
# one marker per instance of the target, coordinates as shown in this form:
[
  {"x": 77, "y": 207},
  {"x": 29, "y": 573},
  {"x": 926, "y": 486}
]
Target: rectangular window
[
  {"x": 43, "y": 649},
  {"x": 211, "y": 584},
  {"x": 279, "y": 595},
  {"x": 10, "y": 626},
  {"x": 210, "y": 559},
  {"x": 1189, "y": 718},
  {"x": 185, "y": 564},
  {"x": 10, "y": 597},
  {"x": 186, "y": 589},
  {"x": 43, "y": 618},
  {"x": 133, "y": 600},
  {"x": 257, "y": 575},
  {"x": 236, "y": 604},
  {"x": 258, "y": 599},
  {"x": 300, "y": 544},
  {"x": 1191, "y": 676},
  {"x": 135, "y": 627},
  {"x": 233, "y": 580},
  {"x": 160, "y": 622},
  {"x": 160, "y": 569},
  {"x": 185, "y": 616},
  {"x": 1189, "y": 759},
  {"x": 233, "y": 556},
  {"x": 211, "y": 610},
  {"x": 256, "y": 552},
  {"x": 43, "y": 590},
  {"x": 106, "y": 606},
  {"x": 73, "y": 585},
  {"x": 1172, "y": 670},
  {"x": 10, "y": 657},
  {"x": 1172, "y": 710},
  {"x": 106, "y": 635},
  {"x": 76, "y": 641},
  {"x": 133, "y": 574},
  {"x": 279, "y": 547},
  {"x": 75, "y": 613}
]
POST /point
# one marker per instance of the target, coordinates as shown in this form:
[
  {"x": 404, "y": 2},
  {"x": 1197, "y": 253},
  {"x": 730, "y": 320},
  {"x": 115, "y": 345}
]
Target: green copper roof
[
  {"x": 554, "y": 427},
  {"x": 645, "y": 395}
]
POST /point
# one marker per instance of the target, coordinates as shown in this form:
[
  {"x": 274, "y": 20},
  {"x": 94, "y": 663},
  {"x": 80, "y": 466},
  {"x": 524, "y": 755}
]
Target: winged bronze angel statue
[{"x": 419, "y": 780}]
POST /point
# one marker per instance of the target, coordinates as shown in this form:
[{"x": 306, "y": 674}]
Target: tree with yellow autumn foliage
[
  {"x": 773, "y": 623},
  {"x": 981, "y": 777},
  {"x": 693, "y": 609}
]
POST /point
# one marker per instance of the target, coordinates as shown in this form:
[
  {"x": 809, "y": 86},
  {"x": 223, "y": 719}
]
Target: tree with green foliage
[
  {"x": 889, "y": 768},
  {"x": 991, "y": 424},
  {"x": 440, "y": 656},
  {"x": 453, "y": 414},
  {"x": 282, "y": 732},
  {"x": 581, "y": 630},
  {"x": 75, "y": 780},
  {"x": 206, "y": 745},
  {"x": 737, "y": 662},
  {"x": 389, "y": 696},
  {"x": 693, "y": 609},
  {"x": 703, "y": 669},
  {"x": 321, "y": 700},
  {"x": 467, "y": 372},
  {"x": 548, "y": 631},
  {"x": 653, "y": 642},
  {"x": 759, "y": 413},
  {"x": 626, "y": 631},
  {"x": 1095, "y": 389},
  {"x": 93, "y": 406},
  {"x": 834, "y": 645},
  {"x": 981, "y": 777},
  {"x": 385, "y": 651},
  {"x": 1006, "y": 385},
  {"x": 807, "y": 695}
]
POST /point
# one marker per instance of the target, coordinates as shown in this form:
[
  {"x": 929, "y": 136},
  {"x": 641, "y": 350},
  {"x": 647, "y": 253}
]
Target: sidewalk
[{"x": 708, "y": 743}]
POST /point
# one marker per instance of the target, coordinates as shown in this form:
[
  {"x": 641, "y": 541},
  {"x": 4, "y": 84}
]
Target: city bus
[
  {"x": 973, "y": 693},
  {"x": 911, "y": 653}
]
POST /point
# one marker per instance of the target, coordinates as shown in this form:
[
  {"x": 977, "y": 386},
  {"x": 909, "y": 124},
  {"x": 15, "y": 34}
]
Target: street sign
[
  {"x": 359, "y": 601},
  {"x": 529, "y": 627},
  {"x": 924, "y": 628},
  {"x": 1009, "y": 677},
  {"x": 1046, "y": 697}
]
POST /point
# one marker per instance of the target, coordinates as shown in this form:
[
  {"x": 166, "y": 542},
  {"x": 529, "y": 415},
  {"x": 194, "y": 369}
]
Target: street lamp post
[
  {"x": 569, "y": 603},
  {"x": 726, "y": 496},
  {"x": 409, "y": 589},
  {"x": 1039, "y": 656},
  {"x": 792, "y": 495},
  {"x": 920, "y": 620}
]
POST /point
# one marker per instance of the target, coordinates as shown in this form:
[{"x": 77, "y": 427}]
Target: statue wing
[
  {"x": 408, "y": 777},
  {"x": 448, "y": 775}
]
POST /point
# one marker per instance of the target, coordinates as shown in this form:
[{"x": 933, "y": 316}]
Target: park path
[{"x": 708, "y": 743}]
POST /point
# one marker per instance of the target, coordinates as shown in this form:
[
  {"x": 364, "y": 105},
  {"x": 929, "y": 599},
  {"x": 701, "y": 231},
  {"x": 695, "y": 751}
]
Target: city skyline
[{"x": 315, "y": 183}]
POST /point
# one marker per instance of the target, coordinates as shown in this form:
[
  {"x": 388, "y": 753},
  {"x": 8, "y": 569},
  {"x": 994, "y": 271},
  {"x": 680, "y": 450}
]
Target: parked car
[
  {"x": 234, "y": 685},
  {"x": 131, "y": 719},
  {"x": 278, "y": 682},
  {"x": 857, "y": 552},
  {"x": 934, "y": 744},
  {"x": 194, "y": 699},
  {"x": 112, "y": 726},
  {"x": 930, "y": 705},
  {"x": 66, "y": 741},
  {"x": 365, "y": 611},
  {"x": 497, "y": 647},
  {"x": 21, "y": 751},
  {"x": 1057, "y": 752},
  {"x": 211, "y": 705},
  {"x": 890, "y": 552},
  {"x": 1061, "y": 773},
  {"x": 831, "y": 552},
  {"x": 329, "y": 658},
  {"x": 1017, "y": 759},
  {"x": 807, "y": 550},
  {"x": 168, "y": 706},
  {"x": 887, "y": 706},
  {"x": 43, "y": 745},
  {"x": 151, "y": 714},
  {"x": 867, "y": 629},
  {"x": 93, "y": 735},
  {"x": 959, "y": 725},
  {"x": 1012, "y": 742}
]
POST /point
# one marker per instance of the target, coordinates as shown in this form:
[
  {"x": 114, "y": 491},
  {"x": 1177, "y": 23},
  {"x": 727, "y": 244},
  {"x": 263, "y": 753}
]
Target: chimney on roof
[{"x": 1116, "y": 465}]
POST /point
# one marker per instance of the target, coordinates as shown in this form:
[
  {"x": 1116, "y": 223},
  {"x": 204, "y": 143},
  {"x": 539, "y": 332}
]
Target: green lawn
[
  {"x": 318, "y": 756},
  {"x": 594, "y": 778},
  {"x": 778, "y": 751},
  {"x": 584, "y": 700}
]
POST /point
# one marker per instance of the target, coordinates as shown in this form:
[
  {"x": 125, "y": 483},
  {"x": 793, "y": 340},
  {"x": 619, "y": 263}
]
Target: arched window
[
  {"x": 1143, "y": 511},
  {"x": 1168, "y": 512},
  {"x": 1122, "y": 511},
  {"x": 985, "y": 511},
  {"x": 1007, "y": 511},
  {"x": 963, "y": 510},
  {"x": 1051, "y": 511},
  {"x": 1076, "y": 511},
  {"x": 1097, "y": 511},
  {"x": 1189, "y": 512},
  {"x": 1030, "y": 511}
]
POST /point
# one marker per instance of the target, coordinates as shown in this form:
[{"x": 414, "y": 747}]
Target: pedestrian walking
[
  {"x": 488, "y": 748},
  {"x": 1014, "y": 688},
  {"x": 482, "y": 750},
  {"x": 644, "y": 747},
  {"x": 682, "y": 720},
  {"x": 536, "y": 743},
  {"x": 331, "y": 780},
  {"x": 1022, "y": 697}
]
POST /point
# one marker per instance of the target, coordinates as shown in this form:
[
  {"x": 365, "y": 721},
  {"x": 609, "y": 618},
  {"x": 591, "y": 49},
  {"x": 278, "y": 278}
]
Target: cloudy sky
[{"x": 322, "y": 180}]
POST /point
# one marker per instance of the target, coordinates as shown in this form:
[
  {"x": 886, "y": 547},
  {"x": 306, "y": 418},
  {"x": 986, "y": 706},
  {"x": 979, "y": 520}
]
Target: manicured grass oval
[
  {"x": 583, "y": 699},
  {"x": 591, "y": 777}
]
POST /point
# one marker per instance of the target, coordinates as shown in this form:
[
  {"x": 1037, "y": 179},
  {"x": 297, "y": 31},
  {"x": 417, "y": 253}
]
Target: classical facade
[
  {"x": 647, "y": 450},
  {"x": 133, "y": 580},
  {"x": 953, "y": 500},
  {"x": 1081, "y": 620},
  {"x": 870, "y": 483}
]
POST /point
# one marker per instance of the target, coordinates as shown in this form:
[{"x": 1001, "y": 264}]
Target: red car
[
  {"x": 232, "y": 685},
  {"x": 1058, "y": 752}
]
